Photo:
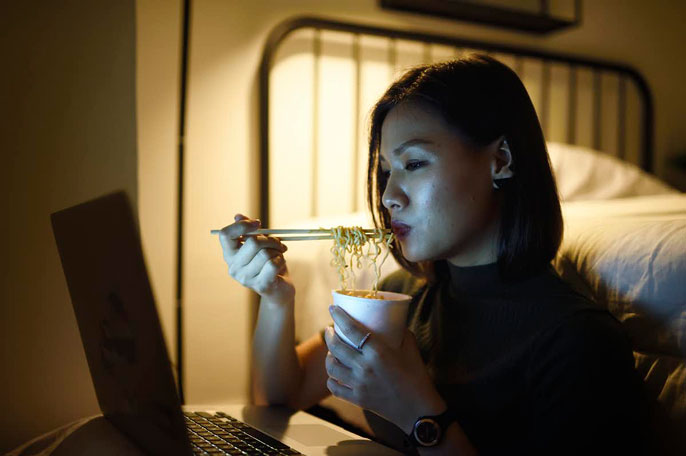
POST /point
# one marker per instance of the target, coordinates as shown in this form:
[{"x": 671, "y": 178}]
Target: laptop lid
[{"x": 103, "y": 263}]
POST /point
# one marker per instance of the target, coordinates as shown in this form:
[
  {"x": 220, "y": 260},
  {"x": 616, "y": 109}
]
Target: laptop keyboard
[{"x": 223, "y": 434}]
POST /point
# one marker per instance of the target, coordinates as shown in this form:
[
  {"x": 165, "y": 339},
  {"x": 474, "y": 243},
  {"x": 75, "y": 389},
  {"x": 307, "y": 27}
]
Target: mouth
[{"x": 401, "y": 230}]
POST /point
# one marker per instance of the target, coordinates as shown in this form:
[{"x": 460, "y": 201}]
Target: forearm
[{"x": 276, "y": 370}]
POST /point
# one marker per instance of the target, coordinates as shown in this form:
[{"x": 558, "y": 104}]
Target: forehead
[{"x": 413, "y": 121}]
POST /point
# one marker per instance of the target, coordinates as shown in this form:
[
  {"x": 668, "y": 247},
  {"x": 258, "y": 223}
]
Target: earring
[{"x": 499, "y": 184}]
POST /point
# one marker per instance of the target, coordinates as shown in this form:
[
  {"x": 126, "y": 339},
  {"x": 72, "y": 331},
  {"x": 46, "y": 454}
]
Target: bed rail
[{"x": 574, "y": 65}]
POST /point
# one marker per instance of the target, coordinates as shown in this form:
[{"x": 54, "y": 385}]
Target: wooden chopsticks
[{"x": 319, "y": 234}]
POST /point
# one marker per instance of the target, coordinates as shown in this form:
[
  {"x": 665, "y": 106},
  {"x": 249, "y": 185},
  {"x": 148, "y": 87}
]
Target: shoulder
[
  {"x": 587, "y": 341},
  {"x": 552, "y": 305},
  {"x": 401, "y": 281},
  {"x": 586, "y": 330},
  {"x": 547, "y": 284},
  {"x": 583, "y": 387}
]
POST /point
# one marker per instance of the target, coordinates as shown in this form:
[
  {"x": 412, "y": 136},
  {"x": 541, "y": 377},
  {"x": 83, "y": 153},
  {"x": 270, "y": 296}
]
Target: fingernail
[{"x": 237, "y": 217}]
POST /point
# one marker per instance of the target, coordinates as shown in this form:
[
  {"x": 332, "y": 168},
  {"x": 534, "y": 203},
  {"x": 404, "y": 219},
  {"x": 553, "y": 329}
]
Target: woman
[{"x": 500, "y": 356}]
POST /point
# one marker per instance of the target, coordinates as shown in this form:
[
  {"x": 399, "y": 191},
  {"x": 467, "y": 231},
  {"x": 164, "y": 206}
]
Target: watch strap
[{"x": 442, "y": 421}]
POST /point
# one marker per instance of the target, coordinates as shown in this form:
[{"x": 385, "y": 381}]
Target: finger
[
  {"x": 345, "y": 354},
  {"x": 269, "y": 275},
  {"x": 240, "y": 220},
  {"x": 230, "y": 236},
  {"x": 338, "y": 371},
  {"x": 339, "y": 390},
  {"x": 257, "y": 263},
  {"x": 252, "y": 246},
  {"x": 353, "y": 329}
]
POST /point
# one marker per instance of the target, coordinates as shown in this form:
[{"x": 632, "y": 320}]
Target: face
[{"x": 439, "y": 190}]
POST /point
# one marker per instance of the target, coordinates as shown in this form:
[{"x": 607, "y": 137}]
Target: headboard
[{"x": 320, "y": 78}]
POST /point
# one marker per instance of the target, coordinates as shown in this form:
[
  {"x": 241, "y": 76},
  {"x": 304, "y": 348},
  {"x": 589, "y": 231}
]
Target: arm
[{"x": 281, "y": 372}]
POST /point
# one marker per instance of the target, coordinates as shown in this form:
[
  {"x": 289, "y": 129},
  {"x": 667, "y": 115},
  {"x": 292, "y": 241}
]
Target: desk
[{"x": 97, "y": 436}]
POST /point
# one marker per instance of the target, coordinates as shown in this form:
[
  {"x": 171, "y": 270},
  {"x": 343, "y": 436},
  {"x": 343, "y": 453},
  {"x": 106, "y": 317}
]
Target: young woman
[{"x": 500, "y": 355}]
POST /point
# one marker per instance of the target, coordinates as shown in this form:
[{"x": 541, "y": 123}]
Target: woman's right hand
[{"x": 256, "y": 261}]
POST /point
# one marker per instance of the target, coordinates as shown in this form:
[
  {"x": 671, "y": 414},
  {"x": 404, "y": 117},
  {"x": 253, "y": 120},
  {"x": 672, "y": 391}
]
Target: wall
[
  {"x": 226, "y": 44},
  {"x": 158, "y": 40},
  {"x": 68, "y": 133}
]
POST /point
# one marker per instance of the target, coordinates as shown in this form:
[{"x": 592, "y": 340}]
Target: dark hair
[{"x": 484, "y": 100}]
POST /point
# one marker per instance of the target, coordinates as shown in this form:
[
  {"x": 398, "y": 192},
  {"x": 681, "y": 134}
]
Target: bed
[{"x": 625, "y": 230}]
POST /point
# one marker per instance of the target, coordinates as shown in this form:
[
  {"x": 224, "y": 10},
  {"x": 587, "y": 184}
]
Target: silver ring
[{"x": 364, "y": 339}]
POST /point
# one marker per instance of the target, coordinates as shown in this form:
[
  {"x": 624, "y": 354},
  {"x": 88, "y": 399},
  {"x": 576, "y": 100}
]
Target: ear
[{"x": 501, "y": 162}]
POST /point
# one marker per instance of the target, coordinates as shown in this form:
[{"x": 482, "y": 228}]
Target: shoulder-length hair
[{"x": 483, "y": 100}]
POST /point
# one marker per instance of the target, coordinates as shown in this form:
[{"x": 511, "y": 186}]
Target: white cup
[{"x": 385, "y": 317}]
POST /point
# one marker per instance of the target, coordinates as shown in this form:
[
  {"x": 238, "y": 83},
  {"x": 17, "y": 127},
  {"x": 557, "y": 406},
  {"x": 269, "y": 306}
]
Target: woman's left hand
[{"x": 391, "y": 382}]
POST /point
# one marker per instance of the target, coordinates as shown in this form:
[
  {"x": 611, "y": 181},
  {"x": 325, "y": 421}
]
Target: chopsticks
[{"x": 320, "y": 234}]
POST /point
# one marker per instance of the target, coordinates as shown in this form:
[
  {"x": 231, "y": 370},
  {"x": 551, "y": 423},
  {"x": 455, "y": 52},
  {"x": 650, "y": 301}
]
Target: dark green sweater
[{"x": 529, "y": 367}]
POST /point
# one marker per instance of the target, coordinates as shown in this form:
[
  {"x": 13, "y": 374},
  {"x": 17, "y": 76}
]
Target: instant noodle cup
[{"x": 385, "y": 315}]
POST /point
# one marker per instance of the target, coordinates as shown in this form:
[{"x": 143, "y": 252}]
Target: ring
[{"x": 364, "y": 339}]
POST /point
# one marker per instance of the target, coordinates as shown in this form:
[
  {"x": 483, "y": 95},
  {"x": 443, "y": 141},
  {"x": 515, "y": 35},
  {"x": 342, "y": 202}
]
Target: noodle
[{"x": 348, "y": 252}]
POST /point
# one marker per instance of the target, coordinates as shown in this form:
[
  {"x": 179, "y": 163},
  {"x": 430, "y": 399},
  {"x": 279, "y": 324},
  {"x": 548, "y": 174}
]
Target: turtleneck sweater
[{"x": 527, "y": 366}]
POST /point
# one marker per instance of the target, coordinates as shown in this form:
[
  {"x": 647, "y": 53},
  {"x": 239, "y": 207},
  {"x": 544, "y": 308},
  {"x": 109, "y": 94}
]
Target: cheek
[
  {"x": 451, "y": 201},
  {"x": 458, "y": 206},
  {"x": 452, "y": 206}
]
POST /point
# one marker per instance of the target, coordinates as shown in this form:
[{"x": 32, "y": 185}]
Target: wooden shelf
[{"x": 491, "y": 15}]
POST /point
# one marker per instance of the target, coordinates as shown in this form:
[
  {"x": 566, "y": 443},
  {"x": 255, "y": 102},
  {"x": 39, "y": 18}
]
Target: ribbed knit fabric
[{"x": 529, "y": 366}]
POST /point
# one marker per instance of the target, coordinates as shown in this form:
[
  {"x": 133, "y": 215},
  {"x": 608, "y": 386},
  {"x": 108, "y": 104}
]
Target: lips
[{"x": 400, "y": 229}]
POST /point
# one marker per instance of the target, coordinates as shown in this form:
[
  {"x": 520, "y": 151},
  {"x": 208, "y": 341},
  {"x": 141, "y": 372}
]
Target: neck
[{"x": 483, "y": 248}]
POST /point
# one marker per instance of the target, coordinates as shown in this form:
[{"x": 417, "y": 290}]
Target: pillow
[
  {"x": 586, "y": 174},
  {"x": 630, "y": 255}
]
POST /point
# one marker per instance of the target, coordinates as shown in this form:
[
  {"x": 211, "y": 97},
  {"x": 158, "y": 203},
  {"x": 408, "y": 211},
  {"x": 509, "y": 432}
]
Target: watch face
[{"x": 427, "y": 432}]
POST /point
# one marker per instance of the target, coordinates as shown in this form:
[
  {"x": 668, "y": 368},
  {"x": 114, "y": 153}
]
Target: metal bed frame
[{"x": 573, "y": 62}]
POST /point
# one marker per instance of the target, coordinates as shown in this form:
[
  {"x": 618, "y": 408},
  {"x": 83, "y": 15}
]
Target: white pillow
[
  {"x": 586, "y": 174},
  {"x": 630, "y": 256}
]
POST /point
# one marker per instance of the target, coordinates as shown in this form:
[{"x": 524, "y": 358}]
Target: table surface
[{"x": 97, "y": 436}]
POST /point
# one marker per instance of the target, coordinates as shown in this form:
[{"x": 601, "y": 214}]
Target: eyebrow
[{"x": 409, "y": 143}]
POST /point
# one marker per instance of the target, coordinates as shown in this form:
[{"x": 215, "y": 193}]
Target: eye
[{"x": 414, "y": 164}]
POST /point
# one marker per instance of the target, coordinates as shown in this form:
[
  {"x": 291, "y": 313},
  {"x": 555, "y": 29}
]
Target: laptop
[{"x": 103, "y": 263}]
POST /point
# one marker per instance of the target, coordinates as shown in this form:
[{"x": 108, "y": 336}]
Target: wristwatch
[{"x": 428, "y": 430}]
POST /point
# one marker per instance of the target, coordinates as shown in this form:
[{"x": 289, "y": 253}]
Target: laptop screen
[{"x": 103, "y": 263}]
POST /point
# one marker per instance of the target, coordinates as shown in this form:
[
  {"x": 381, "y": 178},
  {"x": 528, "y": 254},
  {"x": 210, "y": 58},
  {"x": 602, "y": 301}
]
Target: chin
[
  {"x": 426, "y": 253},
  {"x": 416, "y": 256}
]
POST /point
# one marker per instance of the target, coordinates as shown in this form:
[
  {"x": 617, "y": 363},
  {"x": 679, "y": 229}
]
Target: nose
[{"x": 393, "y": 198}]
